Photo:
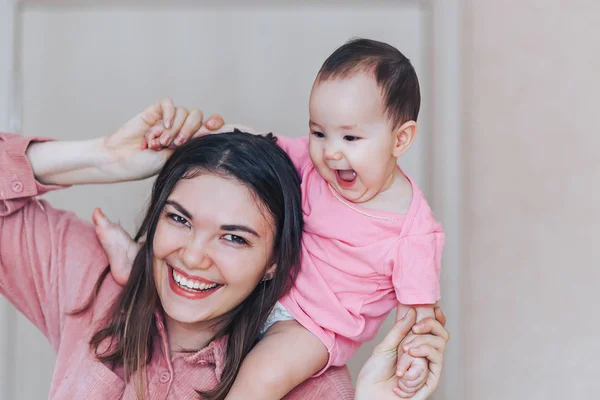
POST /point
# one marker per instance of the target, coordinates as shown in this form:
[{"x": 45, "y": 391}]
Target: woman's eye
[
  {"x": 235, "y": 239},
  {"x": 178, "y": 219},
  {"x": 351, "y": 138},
  {"x": 319, "y": 134}
]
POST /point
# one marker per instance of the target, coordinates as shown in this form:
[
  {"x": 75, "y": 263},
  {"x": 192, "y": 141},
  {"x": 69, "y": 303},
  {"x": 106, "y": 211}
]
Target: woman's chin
[{"x": 179, "y": 315}]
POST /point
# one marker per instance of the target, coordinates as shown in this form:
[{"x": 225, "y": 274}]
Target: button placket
[
  {"x": 17, "y": 186},
  {"x": 165, "y": 376}
]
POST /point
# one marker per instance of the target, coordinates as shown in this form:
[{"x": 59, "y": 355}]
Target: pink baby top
[
  {"x": 357, "y": 264},
  {"x": 49, "y": 263}
]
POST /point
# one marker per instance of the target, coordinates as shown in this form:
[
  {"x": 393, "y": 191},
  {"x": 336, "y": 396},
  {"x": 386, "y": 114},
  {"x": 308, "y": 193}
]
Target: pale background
[{"x": 507, "y": 154}]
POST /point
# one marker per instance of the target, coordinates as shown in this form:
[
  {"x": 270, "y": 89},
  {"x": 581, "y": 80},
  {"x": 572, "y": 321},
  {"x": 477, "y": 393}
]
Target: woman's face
[{"x": 212, "y": 245}]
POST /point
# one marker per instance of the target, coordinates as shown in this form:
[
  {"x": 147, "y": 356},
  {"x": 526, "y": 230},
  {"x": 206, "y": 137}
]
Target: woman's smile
[{"x": 190, "y": 287}]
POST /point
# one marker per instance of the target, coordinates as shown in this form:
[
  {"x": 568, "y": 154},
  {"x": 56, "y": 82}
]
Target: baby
[{"x": 371, "y": 242}]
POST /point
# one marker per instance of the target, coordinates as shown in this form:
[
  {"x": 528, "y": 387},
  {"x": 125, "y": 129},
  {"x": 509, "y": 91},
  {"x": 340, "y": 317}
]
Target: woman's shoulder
[{"x": 77, "y": 257}]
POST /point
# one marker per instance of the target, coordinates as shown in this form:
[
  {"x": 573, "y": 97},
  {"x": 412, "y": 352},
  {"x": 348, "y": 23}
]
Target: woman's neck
[{"x": 183, "y": 337}]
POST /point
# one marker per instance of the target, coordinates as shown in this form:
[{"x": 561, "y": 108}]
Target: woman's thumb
[{"x": 398, "y": 332}]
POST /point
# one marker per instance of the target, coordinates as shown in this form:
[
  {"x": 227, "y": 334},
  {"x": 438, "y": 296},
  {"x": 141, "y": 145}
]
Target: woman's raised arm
[{"x": 122, "y": 156}]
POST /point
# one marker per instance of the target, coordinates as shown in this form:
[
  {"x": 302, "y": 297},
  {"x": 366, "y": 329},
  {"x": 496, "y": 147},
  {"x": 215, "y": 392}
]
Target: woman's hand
[
  {"x": 132, "y": 157},
  {"x": 378, "y": 380},
  {"x": 122, "y": 156}
]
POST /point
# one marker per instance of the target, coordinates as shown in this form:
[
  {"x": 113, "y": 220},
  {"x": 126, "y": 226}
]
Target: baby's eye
[
  {"x": 319, "y": 134},
  {"x": 351, "y": 138},
  {"x": 235, "y": 239}
]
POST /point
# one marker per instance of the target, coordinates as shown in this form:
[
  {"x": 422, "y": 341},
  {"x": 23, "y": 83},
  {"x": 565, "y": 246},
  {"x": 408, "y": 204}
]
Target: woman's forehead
[{"x": 222, "y": 199}]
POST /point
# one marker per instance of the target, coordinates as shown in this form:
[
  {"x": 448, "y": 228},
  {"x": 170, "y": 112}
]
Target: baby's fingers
[
  {"x": 416, "y": 372},
  {"x": 404, "y": 363},
  {"x": 403, "y": 391}
]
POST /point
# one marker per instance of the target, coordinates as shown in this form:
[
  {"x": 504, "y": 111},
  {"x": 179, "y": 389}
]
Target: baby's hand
[
  {"x": 411, "y": 371},
  {"x": 118, "y": 245}
]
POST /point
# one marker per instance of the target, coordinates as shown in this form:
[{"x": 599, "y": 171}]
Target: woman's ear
[
  {"x": 270, "y": 273},
  {"x": 404, "y": 137}
]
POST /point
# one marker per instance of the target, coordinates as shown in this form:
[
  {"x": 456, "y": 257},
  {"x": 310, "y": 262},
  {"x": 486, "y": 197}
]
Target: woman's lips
[{"x": 196, "y": 293}]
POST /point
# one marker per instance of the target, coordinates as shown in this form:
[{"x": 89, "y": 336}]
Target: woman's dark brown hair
[{"x": 257, "y": 162}]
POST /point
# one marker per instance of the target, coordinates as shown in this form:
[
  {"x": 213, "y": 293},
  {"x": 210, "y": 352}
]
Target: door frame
[{"x": 444, "y": 38}]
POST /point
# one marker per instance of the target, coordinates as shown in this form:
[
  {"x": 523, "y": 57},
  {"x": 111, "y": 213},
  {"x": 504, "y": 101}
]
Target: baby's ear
[{"x": 404, "y": 137}]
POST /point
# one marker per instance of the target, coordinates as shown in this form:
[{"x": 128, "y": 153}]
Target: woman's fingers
[
  {"x": 152, "y": 135},
  {"x": 178, "y": 125},
  {"x": 440, "y": 316},
  {"x": 435, "y": 356},
  {"x": 192, "y": 123},
  {"x": 167, "y": 137},
  {"x": 430, "y": 325},
  {"x": 431, "y": 340},
  {"x": 397, "y": 333},
  {"x": 168, "y": 112},
  {"x": 214, "y": 122}
]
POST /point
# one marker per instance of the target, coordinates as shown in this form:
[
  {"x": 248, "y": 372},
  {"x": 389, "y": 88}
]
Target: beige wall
[{"x": 531, "y": 273}]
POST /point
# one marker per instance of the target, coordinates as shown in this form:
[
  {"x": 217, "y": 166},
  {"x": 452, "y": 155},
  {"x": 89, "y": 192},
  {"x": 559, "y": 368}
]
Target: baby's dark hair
[{"x": 392, "y": 71}]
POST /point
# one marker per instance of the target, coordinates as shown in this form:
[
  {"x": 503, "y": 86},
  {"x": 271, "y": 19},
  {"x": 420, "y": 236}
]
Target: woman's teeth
[{"x": 190, "y": 284}]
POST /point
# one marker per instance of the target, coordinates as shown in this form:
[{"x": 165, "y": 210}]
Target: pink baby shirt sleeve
[
  {"x": 416, "y": 274},
  {"x": 297, "y": 150},
  {"x": 38, "y": 243}
]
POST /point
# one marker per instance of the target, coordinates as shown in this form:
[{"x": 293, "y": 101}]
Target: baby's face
[{"x": 351, "y": 141}]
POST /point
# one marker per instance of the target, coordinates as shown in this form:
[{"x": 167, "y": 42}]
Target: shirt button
[
  {"x": 17, "y": 186},
  {"x": 164, "y": 377}
]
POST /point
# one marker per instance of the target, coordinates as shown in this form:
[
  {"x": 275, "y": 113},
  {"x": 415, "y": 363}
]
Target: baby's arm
[
  {"x": 412, "y": 371},
  {"x": 286, "y": 356}
]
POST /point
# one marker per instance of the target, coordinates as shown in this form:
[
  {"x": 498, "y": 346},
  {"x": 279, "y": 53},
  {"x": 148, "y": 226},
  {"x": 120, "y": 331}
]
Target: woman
[{"x": 186, "y": 321}]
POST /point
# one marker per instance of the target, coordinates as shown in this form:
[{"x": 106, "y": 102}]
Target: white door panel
[{"x": 85, "y": 70}]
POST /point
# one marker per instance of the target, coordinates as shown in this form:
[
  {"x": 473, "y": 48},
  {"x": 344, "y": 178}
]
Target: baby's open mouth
[{"x": 347, "y": 175}]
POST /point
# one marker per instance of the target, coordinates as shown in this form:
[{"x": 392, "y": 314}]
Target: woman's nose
[{"x": 196, "y": 255}]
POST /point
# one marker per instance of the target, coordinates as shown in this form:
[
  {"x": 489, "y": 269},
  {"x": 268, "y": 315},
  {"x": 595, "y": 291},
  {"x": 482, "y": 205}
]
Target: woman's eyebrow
[
  {"x": 239, "y": 228},
  {"x": 179, "y": 208}
]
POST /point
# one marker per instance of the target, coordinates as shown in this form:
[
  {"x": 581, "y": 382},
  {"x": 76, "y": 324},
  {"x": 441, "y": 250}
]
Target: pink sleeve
[
  {"x": 335, "y": 383},
  {"x": 297, "y": 150},
  {"x": 416, "y": 272},
  {"x": 45, "y": 253}
]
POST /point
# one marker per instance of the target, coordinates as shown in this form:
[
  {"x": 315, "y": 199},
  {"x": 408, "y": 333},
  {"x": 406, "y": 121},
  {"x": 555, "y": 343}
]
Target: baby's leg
[{"x": 287, "y": 355}]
